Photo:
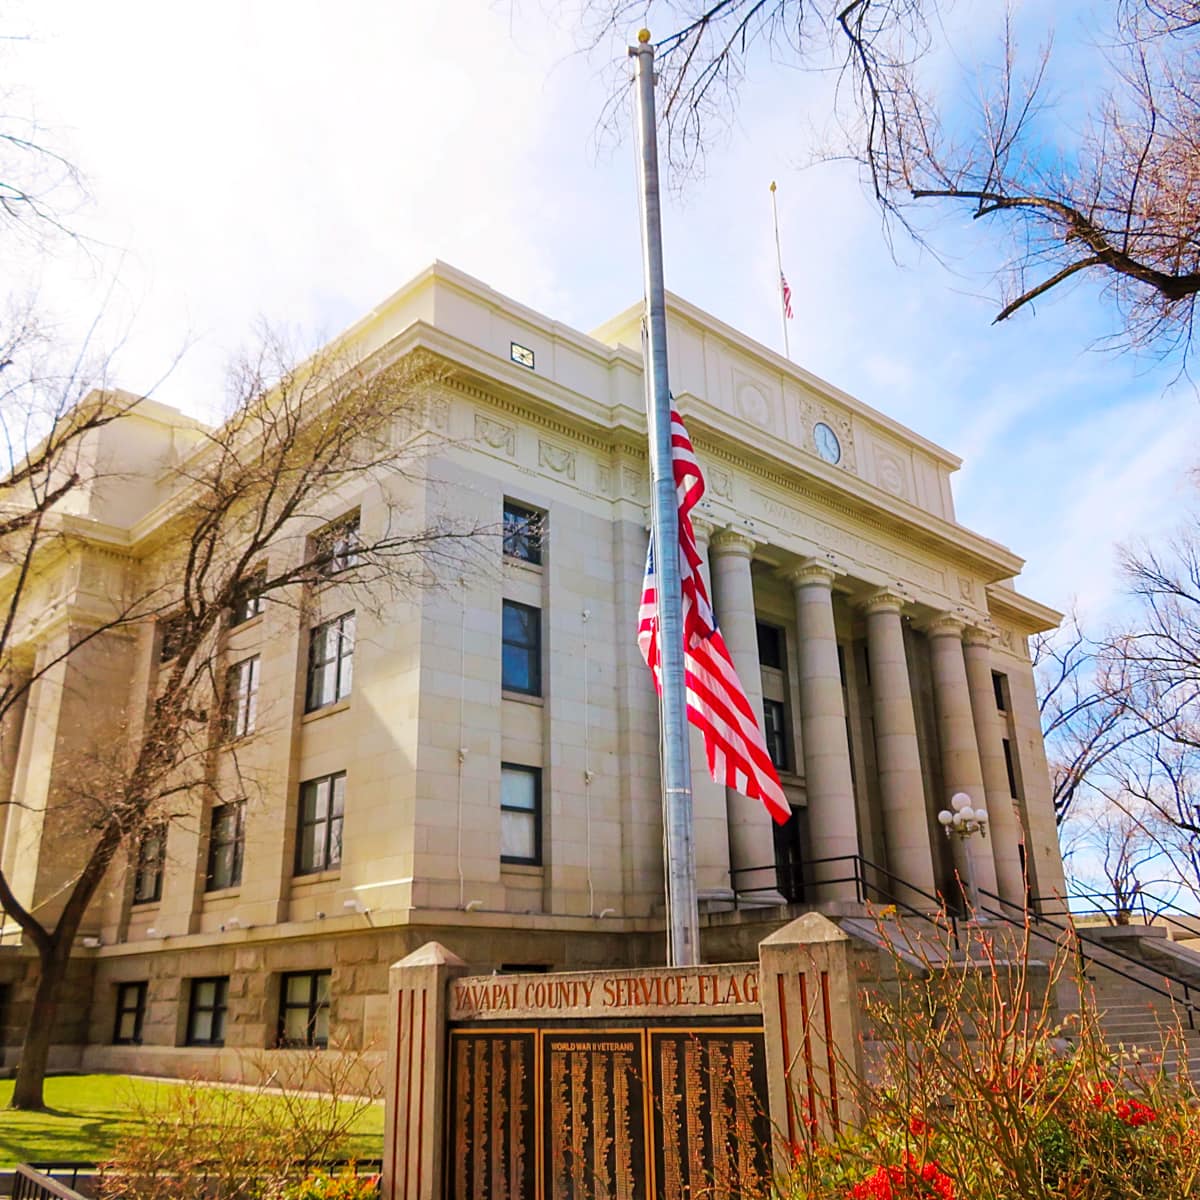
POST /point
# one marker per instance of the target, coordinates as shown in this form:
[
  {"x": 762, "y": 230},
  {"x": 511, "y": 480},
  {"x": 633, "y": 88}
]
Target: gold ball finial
[
  {"x": 772, "y": 185},
  {"x": 643, "y": 36}
]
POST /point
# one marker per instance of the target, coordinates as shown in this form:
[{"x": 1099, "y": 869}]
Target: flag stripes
[{"x": 716, "y": 702}]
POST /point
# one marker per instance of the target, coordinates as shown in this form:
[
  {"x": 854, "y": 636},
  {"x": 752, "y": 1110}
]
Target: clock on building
[{"x": 828, "y": 446}]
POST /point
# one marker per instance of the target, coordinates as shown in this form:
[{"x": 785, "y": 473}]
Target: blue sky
[{"x": 298, "y": 162}]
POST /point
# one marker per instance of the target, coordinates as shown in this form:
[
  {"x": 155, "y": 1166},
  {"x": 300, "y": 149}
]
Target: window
[
  {"x": 148, "y": 870},
  {"x": 330, "y": 662},
  {"x": 304, "y": 1009},
  {"x": 241, "y": 698},
  {"x": 998, "y": 688},
  {"x": 335, "y": 548},
  {"x": 520, "y": 814},
  {"x": 1011, "y": 767},
  {"x": 523, "y": 531},
  {"x": 775, "y": 732},
  {"x": 131, "y": 1011},
  {"x": 521, "y": 669},
  {"x": 226, "y": 843},
  {"x": 206, "y": 1012},
  {"x": 248, "y": 599},
  {"x": 319, "y": 838},
  {"x": 770, "y": 646},
  {"x": 170, "y": 637}
]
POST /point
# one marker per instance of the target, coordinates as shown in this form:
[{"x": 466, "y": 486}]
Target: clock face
[{"x": 828, "y": 447}]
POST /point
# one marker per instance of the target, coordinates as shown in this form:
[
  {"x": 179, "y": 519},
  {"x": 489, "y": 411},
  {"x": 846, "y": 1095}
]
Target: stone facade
[{"x": 887, "y": 639}]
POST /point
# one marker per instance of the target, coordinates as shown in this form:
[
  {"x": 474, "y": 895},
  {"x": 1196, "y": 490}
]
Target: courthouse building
[{"x": 478, "y": 762}]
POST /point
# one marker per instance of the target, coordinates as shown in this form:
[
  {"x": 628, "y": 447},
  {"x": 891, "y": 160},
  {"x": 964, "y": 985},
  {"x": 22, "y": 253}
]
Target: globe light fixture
[{"x": 962, "y": 821}]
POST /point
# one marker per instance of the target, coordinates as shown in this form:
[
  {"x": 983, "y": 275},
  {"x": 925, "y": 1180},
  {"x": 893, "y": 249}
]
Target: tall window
[
  {"x": 523, "y": 532},
  {"x": 148, "y": 870},
  {"x": 206, "y": 1011},
  {"x": 319, "y": 838},
  {"x": 304, "y": 1009},
  {"x": 248, "y": 598},
  {"x": 520, "y": 814},
  {"x": 521, "y": 666},
  {"x": 770, "y": 646},
  {"x": 999, "y": 686},
  {"x": 241, "y": 698},
  {"x": 336, "y": 547},
  {"x": 330, "y": 662},
  {"x": 226, "y": 845},
  {"x": 131, "y": 1012},
  {"x": 1011, "y": 767},
  {"x": 775, "y": 733}
]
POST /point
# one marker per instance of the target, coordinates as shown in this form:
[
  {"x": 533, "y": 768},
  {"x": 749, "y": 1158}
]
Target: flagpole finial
[
  {"x": 643, "y": 36},
  {"x": 772, "y": 185}
]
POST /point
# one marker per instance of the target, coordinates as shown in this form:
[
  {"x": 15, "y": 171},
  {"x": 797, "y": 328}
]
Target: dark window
[
  {"x": 775, "y": 733},
  {"x": 842, "y": 664},
  {"x": 304, "y": 1009},
  {"x": 520, "y": 814},
  {"x": 521, "y": 669},
  {"x": 523, "y": 532},
  {"x": 770, "y": 646},
  {"x": 248, "y": 599},
  {"x": 148, "y": 870},
  {"x": 319, "y": 837},
  {"x": 998, "y": 687},
  {"x": 131, "y": 1011},
  {"x": 241, "y": 698},
  {"x": 330, "y": 662},
  {"x": 336, "y": 547},
  {"x": 170, "y": 637},
  {"x": 206, "y": 1012},
  {"x": 226, "y": 843},
  {"x": 1010, "y": 766}
]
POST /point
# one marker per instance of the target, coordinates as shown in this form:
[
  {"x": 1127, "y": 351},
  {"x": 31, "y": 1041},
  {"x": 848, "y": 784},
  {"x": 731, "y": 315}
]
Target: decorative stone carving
[
  {"x": 966, "y": 588},
  {"x": 423, "y": 413},
  {"x": 604, "y": 480},
  {"x": 890, "y": 473},
  {"x": 752, "y": 404},
  {"x": 635, "y": 484},
  {"x": 978, "y": 635},
  {"x": 495, "y": 434},
  {"x": 813, "y": 411},
  {"x": 721, "y": 483},
  {"x": 556, "y": 459}
]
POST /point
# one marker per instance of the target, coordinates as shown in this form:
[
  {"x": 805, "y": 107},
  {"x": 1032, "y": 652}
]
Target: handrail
[{"x": 29, "y": 1184}]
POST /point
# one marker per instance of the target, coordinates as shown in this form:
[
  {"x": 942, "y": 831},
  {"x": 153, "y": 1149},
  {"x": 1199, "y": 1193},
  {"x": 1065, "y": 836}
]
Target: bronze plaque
[
  {"x": 661, "y": 1112},
  {"x": 594, "y": 1113},
  {"x": 492, "y": 1151}
]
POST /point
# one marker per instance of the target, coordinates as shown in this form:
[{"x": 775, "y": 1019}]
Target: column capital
[
  {"x": 732, "y": 541},
  {"x": 810, "y": 572},
  {"x": 979, "y": 635},
  {"x": 703, "y": 528},
  {"x": 884, "y": 600},
  {"x": 945, "y": 624}
]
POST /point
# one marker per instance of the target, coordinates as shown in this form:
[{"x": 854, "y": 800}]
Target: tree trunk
[{"x": 35, "y": 1050}]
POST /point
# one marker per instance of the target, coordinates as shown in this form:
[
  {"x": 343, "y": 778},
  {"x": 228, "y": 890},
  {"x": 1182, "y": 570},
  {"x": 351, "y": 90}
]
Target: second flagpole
[
  {"x": 783, "y": 300},
  {"x": 683, "y": 940}
]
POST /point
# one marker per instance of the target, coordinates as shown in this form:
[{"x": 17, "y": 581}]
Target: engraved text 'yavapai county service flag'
[{"x": 716, "y": 703}]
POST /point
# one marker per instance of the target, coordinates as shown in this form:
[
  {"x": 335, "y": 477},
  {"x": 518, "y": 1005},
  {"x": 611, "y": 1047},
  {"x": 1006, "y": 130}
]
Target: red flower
[
  {"x": 918, "y": 1127},
  {"x": 910, "y": 1182}
]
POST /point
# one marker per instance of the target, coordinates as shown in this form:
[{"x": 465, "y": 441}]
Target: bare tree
[
  {"x": 249, "y": 516},
  {"x": 1121, "y": 203}
]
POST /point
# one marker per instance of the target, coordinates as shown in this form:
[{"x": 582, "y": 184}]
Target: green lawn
[{"x": 88, "y": 1113}]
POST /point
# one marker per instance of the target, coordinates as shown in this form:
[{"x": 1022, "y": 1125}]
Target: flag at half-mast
[
  {"x": 785, "y": 288},
  {"x": 716, "y": 701}
]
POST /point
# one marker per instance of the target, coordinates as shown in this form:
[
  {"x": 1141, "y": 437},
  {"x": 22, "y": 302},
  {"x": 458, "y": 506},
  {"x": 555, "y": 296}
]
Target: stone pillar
[
  {"x": 1003, "y": 821},
  {"x": 901, "y": 786},
  {"x": 810, "y": 1019},
  {"x": 832, "y": 819},
  {"x": 751, "y": 837},
  {"x": 961, "y": 771},
  {"x": 415, "y": 1099},
  {"x": 710, "y": 814}
]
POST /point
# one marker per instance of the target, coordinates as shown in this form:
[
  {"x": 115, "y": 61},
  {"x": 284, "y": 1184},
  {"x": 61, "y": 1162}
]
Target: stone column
[
  {"x": 415, "y": 1083},
  {"x": 901, "y": 786},
  {"x": 751, "y": 837},
  {"x": 1003, "y": 821},
  {"x": 710, "y": 815},
  {"x": 961, "y": 771},
  {"x": 832, "y": 819}
]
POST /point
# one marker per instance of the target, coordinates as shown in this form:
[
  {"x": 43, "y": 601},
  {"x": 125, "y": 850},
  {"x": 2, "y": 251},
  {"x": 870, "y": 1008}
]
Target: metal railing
[
  {"x": 866, "y": 877},
  {"x": 29, "y": 1184}
]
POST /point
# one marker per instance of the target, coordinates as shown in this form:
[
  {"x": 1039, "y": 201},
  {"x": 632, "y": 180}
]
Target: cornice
[{"x": 1029, "y": 616}]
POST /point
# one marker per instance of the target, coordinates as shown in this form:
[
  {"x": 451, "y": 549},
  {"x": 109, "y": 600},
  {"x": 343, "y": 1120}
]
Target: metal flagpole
[
  {"x": 787, "y": 350},
  {"x": 683, "y": 915}
]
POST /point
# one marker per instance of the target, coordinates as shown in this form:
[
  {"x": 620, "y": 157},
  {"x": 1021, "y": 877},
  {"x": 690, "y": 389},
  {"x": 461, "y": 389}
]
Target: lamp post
[{"x": 962, "y": 821}]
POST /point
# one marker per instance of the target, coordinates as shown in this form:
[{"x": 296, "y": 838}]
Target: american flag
[
  {"x": 787, "y": 295},
  {"x": 716, "y": 703}
]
